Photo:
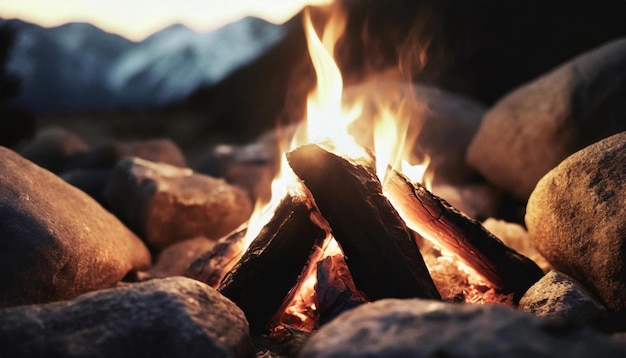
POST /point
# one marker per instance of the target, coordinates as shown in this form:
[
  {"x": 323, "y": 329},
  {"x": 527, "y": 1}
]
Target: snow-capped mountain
[
  {"x": 63, "y": 68},
  {"x": 169, "y": 65},
  {"x": 80, "y": 67}
]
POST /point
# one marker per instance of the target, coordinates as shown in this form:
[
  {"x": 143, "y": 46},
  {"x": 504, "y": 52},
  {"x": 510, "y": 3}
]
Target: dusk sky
[{"x": 136, "y": 19}]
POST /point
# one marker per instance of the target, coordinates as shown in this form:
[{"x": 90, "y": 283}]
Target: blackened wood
[
  {"x": 380, "y": 251},
  {"x": 436, "y": 220},
  {"x": 263, "y": 278},
  {"x": 212, "y": 266}
]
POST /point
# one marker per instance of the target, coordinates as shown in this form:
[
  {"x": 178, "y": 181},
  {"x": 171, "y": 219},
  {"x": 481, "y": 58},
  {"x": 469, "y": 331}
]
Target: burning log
[
  {"x": 380, "y": 251},
  {"x": 434, "y": 219},
  {"x": 266, "y": 273}
]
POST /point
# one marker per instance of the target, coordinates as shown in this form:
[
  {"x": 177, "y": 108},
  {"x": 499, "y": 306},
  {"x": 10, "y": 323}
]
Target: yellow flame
[
  {"x": 326, "y": 118},
  {"x": 418, "y": 173},
  {"x": 286, "y": 182}
]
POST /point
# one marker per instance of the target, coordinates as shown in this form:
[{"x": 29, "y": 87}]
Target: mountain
[
  {"x": 169, "y": 65},
  {"x": 65, "y": 67},
  {"x": 79, "y": 67}
]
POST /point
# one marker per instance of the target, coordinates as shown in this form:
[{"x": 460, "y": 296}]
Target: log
[
  {"x": 267, "y": 271},
  {"x": 380, "y": 251},
  {"x": 436, "y": 220},
  {"x": 212, "y": 266}
]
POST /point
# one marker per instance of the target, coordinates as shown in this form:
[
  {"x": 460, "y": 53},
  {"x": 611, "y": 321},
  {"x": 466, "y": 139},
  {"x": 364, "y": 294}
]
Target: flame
[
  {"x": 285, "y": 182},
  {"x": 327, "y": 118},
  {"x": 417, "y": 173}
]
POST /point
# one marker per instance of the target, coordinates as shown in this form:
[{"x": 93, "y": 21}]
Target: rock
[
  {"x": 174, "y": 260},
  {"x": 574, "y": 218},
  {"x": 105, "y": 156},
  {"x": 55, "y": 241},
  {"x": 535, "y": 127},
  {"x": 91, "y": 181},
  {"x": 166, "y": 204},
  {"x": 423, "y": 328},
  {"x": 439, "y": 125},
  {"x": 52, "y": 146},
  {"x": 251, "y": 167},
  {"x": 173, "y": 317},
  {"x": 516, "y": 237},
  {"x": 559, "y": 296}
]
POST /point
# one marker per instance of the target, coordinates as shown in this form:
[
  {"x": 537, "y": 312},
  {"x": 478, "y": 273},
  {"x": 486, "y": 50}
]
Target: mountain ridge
[{"x": 80, "y": 67}]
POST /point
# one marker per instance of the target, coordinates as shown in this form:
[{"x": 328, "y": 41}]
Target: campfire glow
[{"x": 328, "y": 121}]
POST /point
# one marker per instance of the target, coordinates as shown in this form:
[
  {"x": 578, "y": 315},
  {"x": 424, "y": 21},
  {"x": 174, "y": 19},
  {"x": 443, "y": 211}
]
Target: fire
[
  {"x": 285, "y": 182},
  {"x": 329, "y": 119}
]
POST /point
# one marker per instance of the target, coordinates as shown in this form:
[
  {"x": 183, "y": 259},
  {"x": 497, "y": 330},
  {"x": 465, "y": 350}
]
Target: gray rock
[
  {"x": 423, "y": 328},
  {"x": 51, "y": 148},
  {"x": 559, "y": 296},
  {"x": 251, "y": 167},
  {"x": 575, "y": 220},
  {"x": 173, "y": 317},
  {"x": 166, "y": 204},
  {"x": 55, "y": 241},
  {"x": 535, "y": 127}
]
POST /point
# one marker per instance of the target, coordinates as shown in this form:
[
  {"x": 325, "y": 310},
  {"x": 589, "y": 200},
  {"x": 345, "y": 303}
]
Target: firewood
[
  {"x": 212, "y": 266},
  {"x": 434, "y": 219},
  {"x": 380, "y": 250},
  {"x": 267, "y": 271}
]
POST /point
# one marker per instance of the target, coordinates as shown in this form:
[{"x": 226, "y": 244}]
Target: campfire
[
  {"x": 349, "y": 238},
  {"x": 344, "y": 222}
]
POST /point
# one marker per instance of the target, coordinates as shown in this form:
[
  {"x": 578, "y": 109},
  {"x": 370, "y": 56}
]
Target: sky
[{"x": 136, "y": 19}]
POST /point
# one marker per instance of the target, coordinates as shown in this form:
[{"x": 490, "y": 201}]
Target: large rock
[
  {"x": 166, "y": 204},
  {"x": 575, "y": 218},
  {"x": 422, "y": 328},
  {"x": 55, "y": 241},
  {"x": 559, "y": 296},
  {"x": 174, "y": 317},
  {"x": 535, "y": 127}
]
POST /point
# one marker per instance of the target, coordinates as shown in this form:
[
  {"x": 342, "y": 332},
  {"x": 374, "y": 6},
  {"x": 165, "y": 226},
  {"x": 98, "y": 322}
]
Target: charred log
[
  {"x": 380, "y": 251},
  {"x": 267, "y": 271},
  {"x": 436, "y": 220}
]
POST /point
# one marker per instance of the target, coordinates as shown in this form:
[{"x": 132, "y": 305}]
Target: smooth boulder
[
  {"x": 173, "y": 317},
  {"x": 559, "y": 296},
  {"x": 423, "y": 328},
  {"x": 167, "y": 204},
  {"x": 575, "y": 218},
  {"x": 533, "y": 128},
  {"x": 55, "y": 241}
]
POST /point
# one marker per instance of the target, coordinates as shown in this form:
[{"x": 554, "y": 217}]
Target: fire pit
[{"x": 352, "y": 254}]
